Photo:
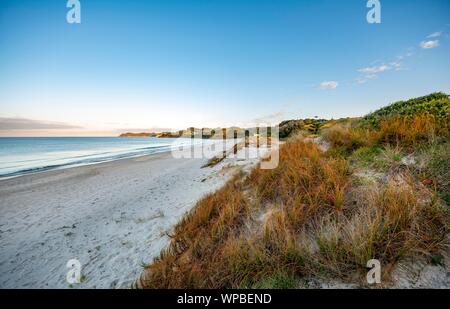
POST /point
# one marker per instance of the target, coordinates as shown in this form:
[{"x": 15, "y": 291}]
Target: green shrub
[
  {"x": 366, "y": 155},
  {"x": 437, "y": 104}
]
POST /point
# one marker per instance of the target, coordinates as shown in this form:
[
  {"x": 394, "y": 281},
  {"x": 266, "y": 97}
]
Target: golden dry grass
[
  {"x": 207, "y": 244},
  {"x": 407, "y": 132},
  {"x": 300, "y": 219}
]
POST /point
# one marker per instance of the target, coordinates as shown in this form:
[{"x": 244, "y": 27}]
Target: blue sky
[{"x": 172, "y": 64}]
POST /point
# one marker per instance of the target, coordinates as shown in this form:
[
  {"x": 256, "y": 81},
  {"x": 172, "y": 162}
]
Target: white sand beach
[{"x": 113, "y": 217}]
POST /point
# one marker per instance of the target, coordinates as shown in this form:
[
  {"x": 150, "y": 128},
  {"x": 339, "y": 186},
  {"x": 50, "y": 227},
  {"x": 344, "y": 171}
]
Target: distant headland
[{"x": 189, "y": 132}]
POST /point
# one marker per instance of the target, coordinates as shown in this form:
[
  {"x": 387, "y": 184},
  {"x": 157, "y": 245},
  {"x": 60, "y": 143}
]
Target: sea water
[{"x": 25, "y": 155}]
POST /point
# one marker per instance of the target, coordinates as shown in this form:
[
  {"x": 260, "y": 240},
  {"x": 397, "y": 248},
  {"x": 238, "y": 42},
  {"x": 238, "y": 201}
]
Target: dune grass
[
  {"x": 296, "y": 220},
  {"x": 308, "y": 218},
  {"x": 248, "y": 229},
  {"x": 407, "y": 132}
]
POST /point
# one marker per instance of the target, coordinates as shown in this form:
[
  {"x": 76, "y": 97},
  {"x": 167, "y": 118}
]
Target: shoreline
[
  {"x": 47, "y": 169},
  {"x": 134, "y": 153},
  {"x": 112, "y": 216}
]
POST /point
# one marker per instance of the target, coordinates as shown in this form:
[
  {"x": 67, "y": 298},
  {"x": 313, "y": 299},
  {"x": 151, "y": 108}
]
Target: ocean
[{"x": 25, "y": 155}]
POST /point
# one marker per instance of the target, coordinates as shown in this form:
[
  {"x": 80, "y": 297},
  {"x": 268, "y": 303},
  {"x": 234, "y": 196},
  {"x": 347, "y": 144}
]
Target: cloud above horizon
[
  {"x": 435, "y": 34},
  {"x": 365, "y": 78},
  {"x": 371, "y": 72},
  {"x": 328, "y": 85},
  {"x": 374, "y": 69},
  {"x": 429, "y": 44},
  {"x": 17, "y": 124}
]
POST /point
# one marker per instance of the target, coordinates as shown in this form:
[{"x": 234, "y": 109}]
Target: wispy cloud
[
  {"x": 371, "y": 72},
  {"x": 365, "y": 78},
  {"x": 328, "y": 85},
  {"x": 375, "y": 69},
  {"x": 13, "y": 124},
  {"x": 270, "y": 118},
  {"x": 409, "y": 53},
  {"x": 435, "y": 34},
  {"x": 429, "y": 44},
  {"x": 396, "y": 65}
]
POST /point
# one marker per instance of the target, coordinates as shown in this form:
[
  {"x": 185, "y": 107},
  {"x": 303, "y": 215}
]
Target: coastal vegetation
[
  {"x": 306, "y": 126},
  {"x": 345, "y": 192},
  {"x": 436, "y": 104},
  {"x": 205, "y": 133},
  {"x": 141, "y": 134}
]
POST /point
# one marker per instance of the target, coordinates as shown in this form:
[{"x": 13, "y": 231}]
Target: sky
[{"x": 155, "y": 65}]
